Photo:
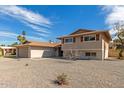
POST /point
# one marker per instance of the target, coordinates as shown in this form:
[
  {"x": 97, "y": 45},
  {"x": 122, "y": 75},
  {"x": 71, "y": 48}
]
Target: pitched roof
[
  {"x": 86, "y": 32},
  {"x": 42, "y": 44},
  {"x": 6, "y": 47},
  {"x": 79, "y": 31}
]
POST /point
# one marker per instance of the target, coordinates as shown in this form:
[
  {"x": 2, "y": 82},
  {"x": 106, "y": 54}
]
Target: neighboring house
[
  {"x": 5, "y": 51},
  {"x": 86, "y": 44},
  {"x": 38, "y": 49},
  {"x": 1, "y": 52}
]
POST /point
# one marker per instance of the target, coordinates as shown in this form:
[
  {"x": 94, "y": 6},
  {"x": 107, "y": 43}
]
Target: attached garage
[
  {"x": 23, "y": 52},
  {"x": 42, "y": 52},
  {"x": 37, "y": 50}
]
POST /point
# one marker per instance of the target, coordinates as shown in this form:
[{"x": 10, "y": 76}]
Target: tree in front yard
[
  {"x": 119, "y": 28},
  {"x": 21, "y": 38}
]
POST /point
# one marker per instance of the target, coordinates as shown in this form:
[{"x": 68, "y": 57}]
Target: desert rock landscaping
[{"x": 41, "y": 73}]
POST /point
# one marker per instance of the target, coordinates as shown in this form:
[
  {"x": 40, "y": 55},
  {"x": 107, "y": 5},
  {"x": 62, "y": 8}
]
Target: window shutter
[
  {"x": 81, "y": 38},
  {"x": 73, "y": 39},
  {"x": 97, "y": 37}
]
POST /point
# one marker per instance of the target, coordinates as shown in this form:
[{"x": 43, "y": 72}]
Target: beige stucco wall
[
  {"x": 101, "y": 47},
  {"x": 82, "y": 47},
  {"x": 105, "y": 46},
  {"x": 23, "y": 52},
  {"x": 81, "y": 54},
  {"x": 38, "y": 52}
]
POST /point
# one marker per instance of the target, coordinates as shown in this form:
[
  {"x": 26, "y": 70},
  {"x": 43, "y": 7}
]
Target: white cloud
[
  {"x": 34, "y": 20},
  {"x": 11, "y": 35},
  {"x": 8, "y": 34},
  {"x": 107, "y": 8},
  {"x": 35, "y": 38},
  {"x": 37, "y": 28},
  {"x": 115, "y": 14},
  {"x": 42, "y": 34}
]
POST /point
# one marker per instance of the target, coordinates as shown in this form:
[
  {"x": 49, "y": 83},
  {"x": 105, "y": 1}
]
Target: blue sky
[{"x": 44, "y": 23}]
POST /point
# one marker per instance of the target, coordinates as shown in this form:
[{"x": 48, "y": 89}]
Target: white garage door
[{"x": 38, "y": 52}]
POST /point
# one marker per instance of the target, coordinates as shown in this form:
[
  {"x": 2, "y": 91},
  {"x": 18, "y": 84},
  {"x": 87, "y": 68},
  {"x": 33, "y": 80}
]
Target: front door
[{"x": 60, "y": 52}]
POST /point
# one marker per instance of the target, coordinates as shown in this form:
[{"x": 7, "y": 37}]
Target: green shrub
[{"x": 62, "y": 79}]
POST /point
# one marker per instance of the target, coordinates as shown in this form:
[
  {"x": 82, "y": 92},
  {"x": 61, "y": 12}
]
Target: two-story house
[{"x": 86, "y": 44}]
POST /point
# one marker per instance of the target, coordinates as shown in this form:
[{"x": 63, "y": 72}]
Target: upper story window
[
  {"x": 74, "y": 39},
  {"x": 89, "y": 38},
  {"x": 68, "y": 40}
]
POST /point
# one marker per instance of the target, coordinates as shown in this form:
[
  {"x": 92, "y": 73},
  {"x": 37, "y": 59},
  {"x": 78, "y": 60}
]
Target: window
[
  {"x": 86, "y": 38},
  {"x": 90, "y": 54},
  {"x": 93, "y": 54},
  {"x": 90, "y": 38},
  {"x": 87, "y": 54},
  {"x": 68, "y": 40},
  {"x": 74, "y": 39}
]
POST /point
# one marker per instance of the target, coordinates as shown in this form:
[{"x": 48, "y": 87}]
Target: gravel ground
[{"x": 41, "y": 73}]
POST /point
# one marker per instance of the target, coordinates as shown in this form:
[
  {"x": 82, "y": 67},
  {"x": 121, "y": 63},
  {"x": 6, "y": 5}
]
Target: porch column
[{"x": 103, "y": 50}]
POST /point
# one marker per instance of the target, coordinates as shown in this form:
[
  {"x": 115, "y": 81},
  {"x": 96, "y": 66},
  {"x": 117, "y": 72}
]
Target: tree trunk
[{"x": 122, "y": 44}]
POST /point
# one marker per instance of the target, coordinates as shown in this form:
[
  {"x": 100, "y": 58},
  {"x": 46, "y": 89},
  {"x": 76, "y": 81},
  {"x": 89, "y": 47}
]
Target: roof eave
[
  {"x": 109, "y": 36},
  {"x": 79, "y": 34}
]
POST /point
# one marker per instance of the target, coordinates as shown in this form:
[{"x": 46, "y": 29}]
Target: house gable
[{"x": 80, "y": 31}]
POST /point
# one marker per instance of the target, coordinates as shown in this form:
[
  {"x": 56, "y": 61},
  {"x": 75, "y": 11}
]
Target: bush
[
  {"x": 26, "y": 64},
  {"x": 62, "y": 79}
]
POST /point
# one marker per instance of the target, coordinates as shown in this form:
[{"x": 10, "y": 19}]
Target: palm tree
[
  {"x": 23, "y": 33},
  {"x": 21, "y": 38}
]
